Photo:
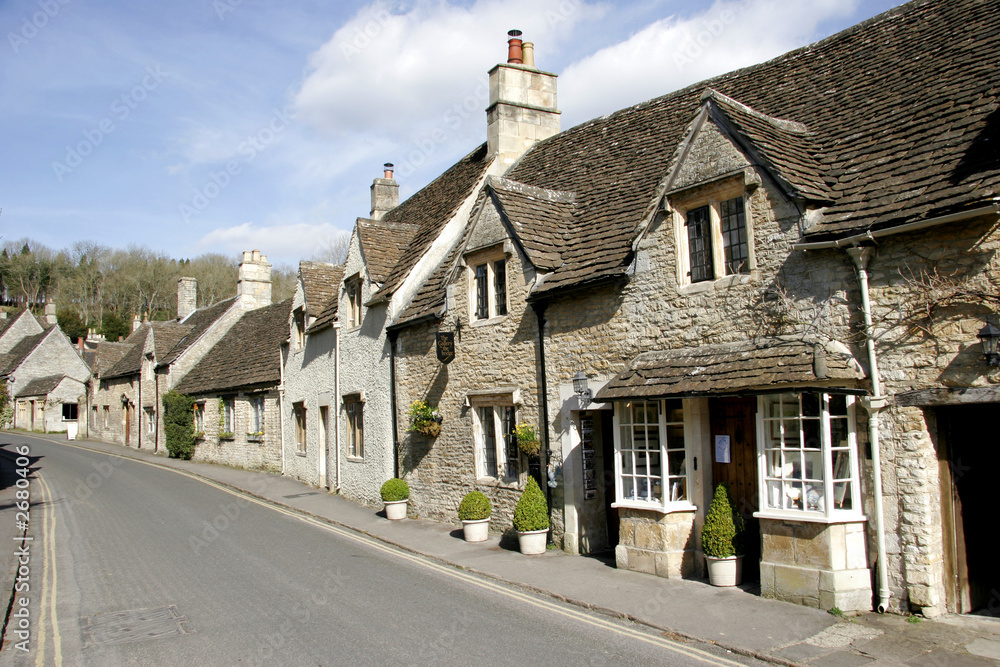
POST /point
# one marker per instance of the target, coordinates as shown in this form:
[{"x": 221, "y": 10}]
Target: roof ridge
[
  {"x": 784, "y": 124},
  {"x": 517, "y": 187}
]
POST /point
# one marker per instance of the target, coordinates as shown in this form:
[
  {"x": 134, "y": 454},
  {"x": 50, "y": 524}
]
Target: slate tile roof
[
  {"x": 542, "y": 218},
  {"x": 383, "y": 243},
  {"x": 328, "y": 315},
  {"x": 247, "y": 356},
  {"x": 430, "y": 209},
  {"x": 199, "y": 321},
  {"x": 166, "y": 336},
  {"x": 41, "y": 386},
  {"x": 107, "y": 355},
  {"x": 903, "y": 116},
  {"x": 19, "y": 352},
  {"x": 787, "y": 149},
  {"x": 320, "y": 283},
  {"x": 735, "y": 367}
]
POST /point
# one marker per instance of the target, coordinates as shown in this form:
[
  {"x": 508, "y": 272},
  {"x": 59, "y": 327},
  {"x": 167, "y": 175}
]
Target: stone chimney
[
  {"x": 385, "y": 194},
  {"x": 50, "y": 312},
  {"x": 187, "y": 296},
  {"x": 254, "y": 287},
  {"x": 522, "y": 107},
  {"x": 136, "y": 323}
]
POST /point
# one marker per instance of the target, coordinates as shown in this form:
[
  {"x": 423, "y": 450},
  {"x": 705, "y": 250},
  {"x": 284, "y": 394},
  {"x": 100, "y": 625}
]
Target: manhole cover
[{"x": 124, "y": 627}]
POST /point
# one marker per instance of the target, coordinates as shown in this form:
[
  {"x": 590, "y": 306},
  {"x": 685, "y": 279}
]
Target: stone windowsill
[
  {"x": 811, "y": 517},
  {"x": 669, "y": 508},
  {"x": 355, "y": 459}
]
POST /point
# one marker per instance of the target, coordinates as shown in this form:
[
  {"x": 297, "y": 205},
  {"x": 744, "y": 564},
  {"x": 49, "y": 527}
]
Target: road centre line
[{"x": 449, "y": 570}]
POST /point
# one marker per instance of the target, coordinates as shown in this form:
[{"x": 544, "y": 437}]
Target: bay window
[
  {"x": 650, "y": 455},
  {"x": 808, "y": 449}
]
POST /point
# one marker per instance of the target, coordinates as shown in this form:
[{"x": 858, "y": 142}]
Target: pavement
[{"x": 737, "y": 619}]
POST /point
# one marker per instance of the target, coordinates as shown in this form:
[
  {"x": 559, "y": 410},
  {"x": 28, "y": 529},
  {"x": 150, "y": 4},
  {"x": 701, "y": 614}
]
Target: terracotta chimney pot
[{"x": 514, "y": 53}]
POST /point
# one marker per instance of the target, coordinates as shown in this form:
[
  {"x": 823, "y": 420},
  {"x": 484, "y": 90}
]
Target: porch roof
[{"x": 743, "y": 367}]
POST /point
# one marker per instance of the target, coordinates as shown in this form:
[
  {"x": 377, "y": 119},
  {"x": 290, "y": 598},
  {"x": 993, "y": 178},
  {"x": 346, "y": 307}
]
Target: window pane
[
  {"x": 838, "y": 405},
  {"x": 810, "y": 434},
  {"x": 500, "y": 286},
  {"x": 700, "y": 244},
  {"x": 674, "y": 410},
  {"x": 510, "y": 442},
  {"x": 838, "y": 432},
  {"x": 628, "y": 488},
  {"x": 815, "y": 496},
  {"x": 734, "y": 236},
  {"x": 482, "y": 293},
  {"x": 842, "y": 496},
  {"x": 489, "y": 442},
  {"x": 810, "y": 405}
]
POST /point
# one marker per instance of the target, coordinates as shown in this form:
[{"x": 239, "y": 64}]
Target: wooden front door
[
  {"x": 970, "y": 456},
  {"x": 128, "y": 424},
  {"x": 737, "y": 418}
]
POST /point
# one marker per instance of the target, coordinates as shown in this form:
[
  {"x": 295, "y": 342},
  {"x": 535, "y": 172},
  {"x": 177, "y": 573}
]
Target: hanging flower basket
[
  {"x": 527, "y": 439},
  {"x": 424, "y": 419}
]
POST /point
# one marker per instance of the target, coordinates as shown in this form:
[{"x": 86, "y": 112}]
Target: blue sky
[{"x": 225, "y": 125}]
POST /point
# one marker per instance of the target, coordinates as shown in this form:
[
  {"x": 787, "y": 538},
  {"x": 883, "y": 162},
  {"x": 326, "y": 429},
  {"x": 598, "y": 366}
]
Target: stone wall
[
  {"x": 240, "y": 451},
  {"x": 815, "y": 564},
  {"x": 495, "y": 354},
  {"x": 310, "y": 378},
  {"x": 657, "y": 543},
  {"x": 364, "y": 372}
]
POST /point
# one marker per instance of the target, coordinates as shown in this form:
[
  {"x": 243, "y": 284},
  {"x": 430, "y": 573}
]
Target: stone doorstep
[{"x": 848, "y": 590}]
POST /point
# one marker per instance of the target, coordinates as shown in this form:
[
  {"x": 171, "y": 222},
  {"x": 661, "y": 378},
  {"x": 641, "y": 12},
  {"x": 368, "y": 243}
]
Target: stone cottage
[
  {"x": 310, "y": 352},
  {"x": 160, "y": 354},
  {"x": 236, "y": 390},
  {"x": 773, "y": 279},
  {"x": 45, "y": 377}
]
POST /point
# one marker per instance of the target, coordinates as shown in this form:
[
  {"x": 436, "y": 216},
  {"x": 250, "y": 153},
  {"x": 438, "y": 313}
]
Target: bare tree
[{"x": 333, "y": 249}]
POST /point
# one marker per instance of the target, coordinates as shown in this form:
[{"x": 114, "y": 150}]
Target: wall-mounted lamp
[
  {"x": 581, "y": 388},
  {"x": 989, "y": 336}
]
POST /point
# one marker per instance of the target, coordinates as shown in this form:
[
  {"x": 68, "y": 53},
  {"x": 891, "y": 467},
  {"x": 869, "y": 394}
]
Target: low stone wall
[
  {"x": 815, "y": 564},
  {"x": 655, "y": 543}
]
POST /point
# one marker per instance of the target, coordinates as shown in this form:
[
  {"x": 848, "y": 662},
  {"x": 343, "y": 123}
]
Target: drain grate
[
  {"x": 125, "y": 627},
  {"x": 303, "y": 495}
]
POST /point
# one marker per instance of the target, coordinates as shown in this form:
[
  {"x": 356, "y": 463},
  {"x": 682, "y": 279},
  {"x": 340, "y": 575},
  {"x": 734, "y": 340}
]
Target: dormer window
[
  {"x": 300, "y": 329},
  {"x": 353, "y": 289},
  {"x": 713, "y": 236},
  {"x": 490, "y": 289}
]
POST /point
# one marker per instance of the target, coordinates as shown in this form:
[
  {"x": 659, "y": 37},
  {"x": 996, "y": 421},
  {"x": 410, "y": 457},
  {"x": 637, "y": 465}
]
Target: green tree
[
  {"x": 115, "y": 326},
  {"x": 178, "y": 424},
  {"x": 71, "y": 324}
]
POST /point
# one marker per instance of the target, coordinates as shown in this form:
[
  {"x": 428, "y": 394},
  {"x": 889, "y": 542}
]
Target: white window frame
[
  {"x": 494, "y": 412},
  {"x": 355, "y": 298},
  {"x": 301, "y": 427},
  {"x": 299, "y": 327},
  {"x": 714, "y": 201},
  {"x": 354, "y": 421},
  {"x": 107, "y": 416},
  {"x": 150, "y": 421},
  {"x": 257, "y": 407},
  {"x": 816, "y": 507},
  {"x": 662, "y": 503},
  {"x": 229, "y": 415},
  {"x": 489, "y": 260},
  {"x": 199, "y": 417}
]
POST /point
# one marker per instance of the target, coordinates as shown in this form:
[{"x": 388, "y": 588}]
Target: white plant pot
[
  {"x": 533, "y": 542},
  {"x": 725, "y": 571},
  {"x": 395, "y": 510},
  {"x": 476, "y": 531}
]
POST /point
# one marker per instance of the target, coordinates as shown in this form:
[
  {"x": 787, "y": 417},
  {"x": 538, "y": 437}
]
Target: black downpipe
[
  {"x": 392, "y": 402},
  {"x": 539, "y": 308}
]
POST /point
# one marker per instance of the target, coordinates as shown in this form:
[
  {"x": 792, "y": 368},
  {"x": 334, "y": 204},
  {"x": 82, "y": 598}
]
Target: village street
[{"x": 134, "y": 564}]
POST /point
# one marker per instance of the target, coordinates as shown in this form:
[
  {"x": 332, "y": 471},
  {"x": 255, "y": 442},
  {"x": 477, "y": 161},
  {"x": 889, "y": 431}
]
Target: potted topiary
[
  {"x": 531, "y": 519},
  {"x": 395, "y": 493},
  {"x": 474, "y": 511},
  {"x": 722, "y": 540}
]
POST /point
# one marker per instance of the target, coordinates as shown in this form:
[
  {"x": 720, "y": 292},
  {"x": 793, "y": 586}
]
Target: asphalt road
[{"x": 132, "y": 564}]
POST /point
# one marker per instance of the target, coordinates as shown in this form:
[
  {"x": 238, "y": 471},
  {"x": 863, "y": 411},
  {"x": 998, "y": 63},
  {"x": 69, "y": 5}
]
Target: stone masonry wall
[
  {"x": 498, "y": 353},
  {"x": 240, "y": 451}
]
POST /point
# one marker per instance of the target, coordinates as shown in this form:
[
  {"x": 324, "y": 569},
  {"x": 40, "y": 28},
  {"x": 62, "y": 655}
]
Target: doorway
[
  {"x": 969, "y": 452},
  {"x": 736, "y": 417}
]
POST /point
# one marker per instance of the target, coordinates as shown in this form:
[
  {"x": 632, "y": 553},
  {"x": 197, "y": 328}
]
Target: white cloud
[
  {"x": 675, "y": 52},
  {"x": 281, "y": 243},
  {"x": 398, "y": 74}
]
